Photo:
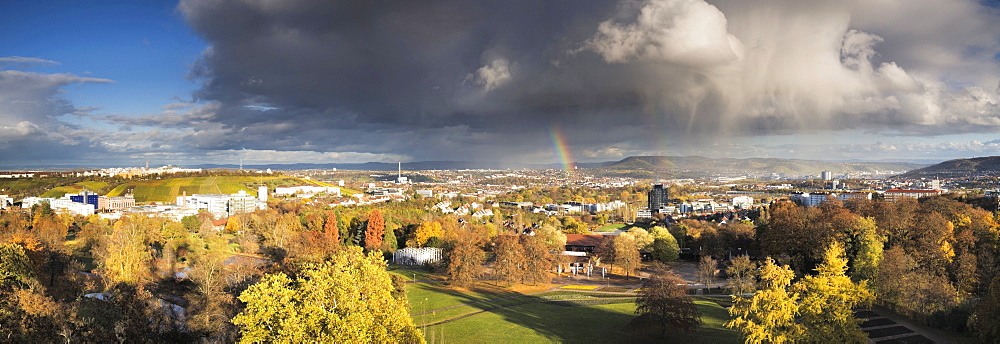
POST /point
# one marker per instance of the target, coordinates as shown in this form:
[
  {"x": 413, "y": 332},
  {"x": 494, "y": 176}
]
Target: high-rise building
[
  {"x": 262, "y": 193},
  {"x": 658, "y": 197},
  {"x": 826, "y": 175}
]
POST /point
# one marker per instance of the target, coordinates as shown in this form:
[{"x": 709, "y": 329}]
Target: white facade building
[{"x": 741, "y": 202}]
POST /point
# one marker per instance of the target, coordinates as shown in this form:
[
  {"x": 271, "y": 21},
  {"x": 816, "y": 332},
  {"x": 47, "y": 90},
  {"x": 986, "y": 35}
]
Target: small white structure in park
[{"x": 417, "y": 256}]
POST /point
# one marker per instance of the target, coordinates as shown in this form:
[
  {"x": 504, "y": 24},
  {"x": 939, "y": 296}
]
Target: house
[
  {"x": 589, "y": 243},
  {"x": 893, "y": 195}
]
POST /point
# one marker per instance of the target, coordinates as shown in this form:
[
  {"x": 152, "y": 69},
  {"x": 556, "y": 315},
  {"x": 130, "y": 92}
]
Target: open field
[
  {"x": 610, "y": 228},
  {"x": 167, "y": 190},
  {"x": 490, "y": 314}
]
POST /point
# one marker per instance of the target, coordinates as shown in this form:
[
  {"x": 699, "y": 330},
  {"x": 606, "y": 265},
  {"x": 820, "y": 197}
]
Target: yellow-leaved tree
[
  {"x": 123, "y": 256},
  {"x": 828, "y": 299},
  {"x": 426, "y": 231},
  {"x": 769, "y": 315},
  {"x": 349, "y": 298}
]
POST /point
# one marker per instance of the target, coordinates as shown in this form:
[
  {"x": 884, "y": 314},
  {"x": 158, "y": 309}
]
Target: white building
[
  {"x": 741, "y": 202},
  {"x": 221, "y": 205},
  {"x": 306, "y": 190},
  {"x": 65, "y": 205},
  {"x": 29, "y": 202},
  {"x": 425, "y": 193},
  {"x": 811, "y": 199},
  {"x": 852, "y": 195},
  {"x": 262, "y": 193},
  {"x": 6, "y": 201}
]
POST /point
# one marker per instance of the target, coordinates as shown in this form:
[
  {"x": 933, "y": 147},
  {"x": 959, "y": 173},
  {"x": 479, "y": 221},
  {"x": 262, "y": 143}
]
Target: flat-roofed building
[
  {"x": 893, "y": 195},
  {"x": 115, "y": 203}
]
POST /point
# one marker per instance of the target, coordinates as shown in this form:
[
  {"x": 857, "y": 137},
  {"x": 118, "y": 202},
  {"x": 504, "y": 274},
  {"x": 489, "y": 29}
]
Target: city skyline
[{"x": 215, "y": 82}]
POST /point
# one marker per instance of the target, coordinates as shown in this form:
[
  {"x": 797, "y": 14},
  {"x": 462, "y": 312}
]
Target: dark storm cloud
[{"x": 468, "y": 79}]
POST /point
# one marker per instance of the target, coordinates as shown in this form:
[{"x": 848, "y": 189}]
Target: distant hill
[
  {"x": 958, "y": 168},
  {"x": 407, "y": 166},
  {"x": 696, "y": 166}
]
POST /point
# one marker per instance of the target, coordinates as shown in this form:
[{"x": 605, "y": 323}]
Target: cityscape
[{"x": 702, "y": 171}]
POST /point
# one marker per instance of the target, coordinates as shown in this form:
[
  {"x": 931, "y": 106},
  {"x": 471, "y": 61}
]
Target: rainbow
[{"x": 560, "y": 145}]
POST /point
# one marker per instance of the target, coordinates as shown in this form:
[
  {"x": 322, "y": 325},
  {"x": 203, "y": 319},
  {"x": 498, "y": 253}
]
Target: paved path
[{"x": 885, "y": 327}]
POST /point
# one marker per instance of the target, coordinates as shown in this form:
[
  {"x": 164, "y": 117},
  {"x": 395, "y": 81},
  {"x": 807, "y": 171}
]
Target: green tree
[
  {"x": 769, "y": 315},
  {"x": 663, "y": 304},
  {"x": 389, "y": 242},
  {"x": 828, "y": 300},
  {"x": 664, "y": 247},
  {"x": 15, "y": 267},
  {"x": 350, "y": 298}
]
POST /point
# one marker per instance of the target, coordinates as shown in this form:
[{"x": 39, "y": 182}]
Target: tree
[
  {"x": 331, "y": 229},
  {"x": 15, "y": 267},
  {"x": 426, "y": 230},
  {"x": 350, "y": 298},
  {"x": 769, "y": 315},
  {"x": 509, "y": 258},
  {"x": 465, "y": 261},
  {"x": 389, "y": 242},
  {"x": 707, "y": 267},
  {"x": 984, "y": 320},
  {"x": 537, "y": 262},
  {"x": 663, "y": 303},
  {"x": 664, "y": 247},
  {"x": 869, "y": 246},
  {"x": 828, "y": 300},
  {"x": 626, "y": 253},
  {"x": 123, "y": 256},
  {"x": 742, "y": 275},
  {"x": 573, "y": 226},
  {"x": 375, "y": 230},
  {"x": 643, "y": 239}
]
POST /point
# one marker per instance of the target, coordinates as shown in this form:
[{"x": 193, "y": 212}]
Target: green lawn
[
  {"x": 549, "y": 323},
  {"x": 610, "y": 228},
  {"x": 497, "y": 315},
  {"x": 62, "y": 190}
]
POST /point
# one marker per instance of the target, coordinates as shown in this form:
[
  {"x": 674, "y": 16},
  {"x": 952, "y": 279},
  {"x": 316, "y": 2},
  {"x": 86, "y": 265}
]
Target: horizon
[{"x": 121, "y": 83}]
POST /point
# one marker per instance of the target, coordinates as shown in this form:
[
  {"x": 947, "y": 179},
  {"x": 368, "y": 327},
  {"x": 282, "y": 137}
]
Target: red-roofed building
[
  {"x": 584, "y": 242},
  {"x": 896, "y": 194}
]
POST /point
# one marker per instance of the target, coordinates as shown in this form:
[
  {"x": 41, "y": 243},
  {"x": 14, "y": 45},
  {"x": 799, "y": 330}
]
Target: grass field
[
  {"x": 167, "y": 190},
  {"x": 610, "y": 228},
  {"x": 551, "y": 323},
  {"x": 489, "y": 314},
  {"x": 91, "y": 186},
  {"x": 62, "y": 190}
]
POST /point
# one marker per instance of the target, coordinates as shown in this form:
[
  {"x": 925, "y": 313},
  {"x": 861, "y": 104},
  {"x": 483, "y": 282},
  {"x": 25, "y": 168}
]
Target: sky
[{"x": 119, "y": 83}]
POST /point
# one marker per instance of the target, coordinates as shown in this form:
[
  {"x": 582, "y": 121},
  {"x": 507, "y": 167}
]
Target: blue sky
[
  {"x": 144, "y": 46},
  {"x": 117, "y": 83}
]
